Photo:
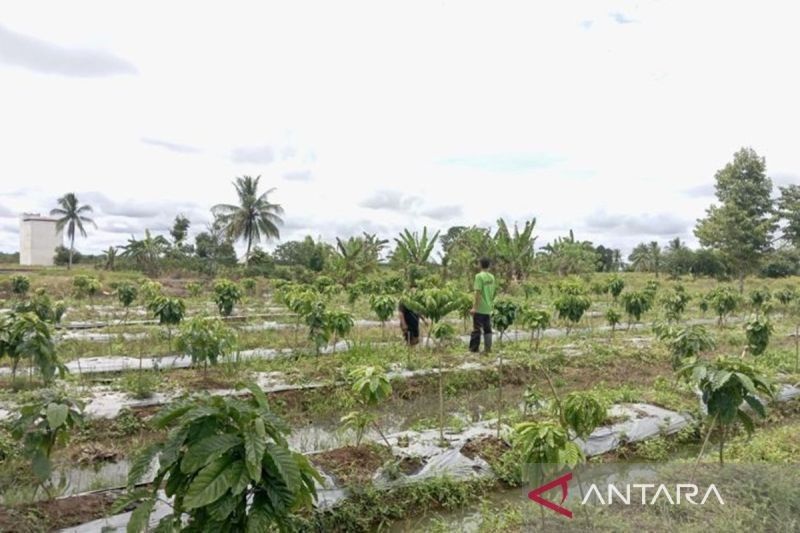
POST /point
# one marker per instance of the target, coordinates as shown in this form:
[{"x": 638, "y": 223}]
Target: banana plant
[{"x": 227, "y": 466}]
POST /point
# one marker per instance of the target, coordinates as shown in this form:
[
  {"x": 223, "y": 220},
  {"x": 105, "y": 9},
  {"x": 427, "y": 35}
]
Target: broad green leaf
[
  {"x": 720, "y": 378},
  {"x": 41, "y": 466},
  {"x": 285, "y": 464},
  {"x": 222, "y": 508},
  {"x": 205, "y": 451},
  {"x": 255, "y": 444},
  {"x": 140, "y": 517},
  {"x": 141, "y": 464},
  {"x": 746, "y": 382},
  {"x": 210, "y": 484},
  {"x": 258, "y": 394},
  {"x": 756, "y": 405},
  {"x": 258, "y": 520},
  {"x": 57, "y": 415},
  {"x": 241, "y": 478}
]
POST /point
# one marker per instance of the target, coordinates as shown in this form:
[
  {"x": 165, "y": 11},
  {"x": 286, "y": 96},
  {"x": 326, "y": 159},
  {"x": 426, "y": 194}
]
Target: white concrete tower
[{"x": 38, "y": 239}]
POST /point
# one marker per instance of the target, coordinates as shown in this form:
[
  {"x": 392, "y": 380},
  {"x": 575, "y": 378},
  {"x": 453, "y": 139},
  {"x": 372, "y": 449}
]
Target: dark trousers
[{"x": 480, "y": 324}]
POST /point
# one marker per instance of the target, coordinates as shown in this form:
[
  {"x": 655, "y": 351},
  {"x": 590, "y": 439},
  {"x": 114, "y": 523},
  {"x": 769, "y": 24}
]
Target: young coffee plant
[
  {"x": 758, "y": 331},
  {"x": 636, "y": 304},
  {"x": 206, "y": 340},
  {"x": 503, "y": 315},
  {"x": 126, "y": 294},
  {"x": 684, "y": 342},
  {"x": 727, "y": 384},
  {"x": 571, "y": 303},
  {"x": 675, "y": 303},
  {"x": 26, "y": 336},
  {"x": 150, "y": 290},
  {"x": 194, "y": 288},
  {"x": 383, "y": 305},
  {"x": 226, "y": 295},
  {"x": 44, "y": 423},
  {"x": 725, "y": 301},
  {"x": 169, "y": 312},
  {"x": 249, "y": 285},
  {"x": 544, "y": 447},
  {"x": 20, "y": 285},
  {"x": 613, "y": 318},
  {"x": 615, "y": 286},
  {"x": 319, "y": 326},
  {"x": 340, "y": 324},
  {"x": 42, "y": 306},
  {"x": 226, "y": 465},
  {"x": 371, "y": 387},
  {"x": 535, "y": 321},
  {"x": 444, "y": 334},
  {"x": 434, "y": 304},
  {"x": 759, "y": 298},
  {"x": 86, "y": 287},
  {"x": 583, "y": 412}
]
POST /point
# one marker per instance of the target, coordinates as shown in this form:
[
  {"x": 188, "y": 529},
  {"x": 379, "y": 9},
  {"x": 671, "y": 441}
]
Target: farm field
[{"x": 598, "y": 370}]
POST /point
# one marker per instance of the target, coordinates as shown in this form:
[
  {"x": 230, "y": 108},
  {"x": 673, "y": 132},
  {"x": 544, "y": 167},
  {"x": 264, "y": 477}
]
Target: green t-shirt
[{"x": 484, "y": 282}]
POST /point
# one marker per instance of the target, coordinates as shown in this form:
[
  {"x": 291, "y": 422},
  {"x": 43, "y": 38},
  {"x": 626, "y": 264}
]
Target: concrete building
[{"x": 38, "y": 239}]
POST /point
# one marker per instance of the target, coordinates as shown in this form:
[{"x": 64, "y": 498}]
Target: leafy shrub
[
  {"x": 583, "y": 412},
  {"x": 636, "y": 304},
  {"x": 226, "y": 295},
  {"x": 206, "y": 340},
  {"x": 228, "y": 466},
  {"x": 758, "y": 331},
  {"x": 20, "y": 284},
  {"x": 126, "y": 294}
]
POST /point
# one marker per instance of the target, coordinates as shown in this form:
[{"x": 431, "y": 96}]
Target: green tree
[
  {"x": 254, "y": 217},
  {"x": 109, "y": 258},
  {"x": 180, "y": 230},
  {"x": 613, "y": 317},
  {"x": 535, "y": 321},
  {"x": 26, "y": 336},
  {"x": 615, "y": 286},
  {"x": 757, "y": 332},
  {"x": 227, "y": 465},
  {"x": 741, "y": 226},
  {"x": 684, "y": 342},
  {"x": 504, "y": 315},
  {"x": 571, "y": 302},
  {"x": 636, "y": 304},
  {"x": 566, "y": 256},
  {"x": 72, "y": 216},
  {"x": 789, "y": 211}
]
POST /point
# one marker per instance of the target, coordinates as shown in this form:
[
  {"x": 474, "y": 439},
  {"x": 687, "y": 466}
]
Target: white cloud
[{"x": 557, "y": 111}]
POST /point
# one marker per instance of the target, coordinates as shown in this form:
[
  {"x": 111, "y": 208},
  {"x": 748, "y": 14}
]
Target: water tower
[{"x": 38, "y": 239}]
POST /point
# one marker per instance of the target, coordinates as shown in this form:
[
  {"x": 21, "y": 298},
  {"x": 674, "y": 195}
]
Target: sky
[{"x": 606, "y": 117}]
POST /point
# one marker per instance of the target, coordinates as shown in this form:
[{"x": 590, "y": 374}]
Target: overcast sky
[{"x": 606, "y": 117}]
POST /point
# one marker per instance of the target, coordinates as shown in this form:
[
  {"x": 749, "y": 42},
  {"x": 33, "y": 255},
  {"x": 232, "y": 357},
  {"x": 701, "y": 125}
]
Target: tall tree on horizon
[
  {"x": 254, "y": 217},
  {"x": 71, "y": 215},
  {"x": 741, "y": 226}
]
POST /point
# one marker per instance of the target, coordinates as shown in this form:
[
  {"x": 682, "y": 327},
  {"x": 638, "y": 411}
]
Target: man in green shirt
[{"x": 485, "y": 287}]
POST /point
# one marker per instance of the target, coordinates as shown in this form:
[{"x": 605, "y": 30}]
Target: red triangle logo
[{"x": 563, "y": 482}]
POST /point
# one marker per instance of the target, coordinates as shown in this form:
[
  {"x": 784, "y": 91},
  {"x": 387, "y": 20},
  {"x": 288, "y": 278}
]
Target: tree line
[{"x": 747, "y": 231}]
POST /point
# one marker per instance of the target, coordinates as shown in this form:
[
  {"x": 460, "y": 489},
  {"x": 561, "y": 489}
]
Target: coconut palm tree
[
  {"x": 253, "y": 217},
  {"x": 71, "y": 216}
]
